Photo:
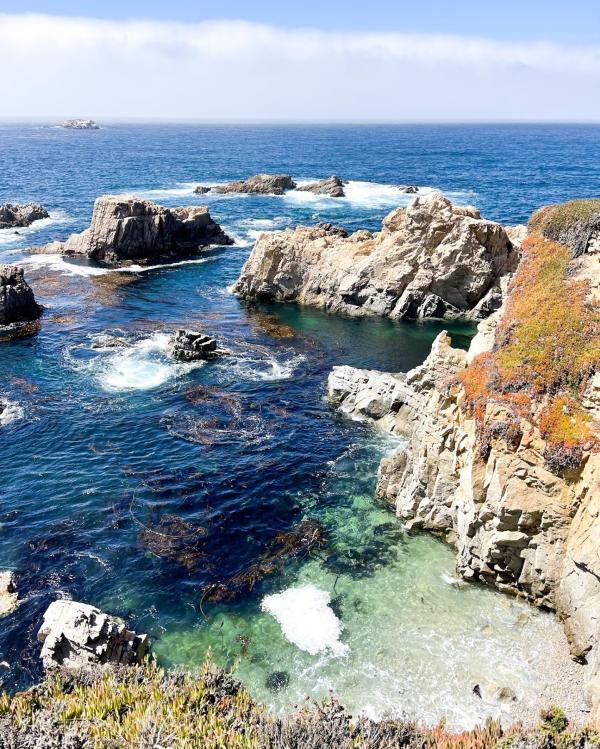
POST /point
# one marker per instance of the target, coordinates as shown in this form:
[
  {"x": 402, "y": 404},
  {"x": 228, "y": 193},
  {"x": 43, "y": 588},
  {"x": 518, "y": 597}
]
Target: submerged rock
[
  {"x": 77, "y": 635},
  {"x": 17, "y": 302},
  {"x": 332, "y": 186},
  {"x": 263, "y": 184},
  {"x": 78, "y": 124},
  {"x": 431, "y": 259},
  {"x": 130, "y": 229},
  {"x": 189, "y": 345},
  {"x": 9, "y": 598},
  {"x": 277, "y": 681},
  {"x": 13, "y": 215}
]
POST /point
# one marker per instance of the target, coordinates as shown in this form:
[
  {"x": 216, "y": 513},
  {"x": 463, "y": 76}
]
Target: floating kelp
[
  {"x": 105, "y": 288},
  {"x": 175, "y": 539},
  {"x": 301, "y": 541},
  {"x": 271, "y": 325}
]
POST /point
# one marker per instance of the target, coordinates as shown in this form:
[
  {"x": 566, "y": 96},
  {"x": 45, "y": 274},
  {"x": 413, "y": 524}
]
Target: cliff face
[
  {"x": 481, "y": 474},
  {"x": 431, "y": 259}
]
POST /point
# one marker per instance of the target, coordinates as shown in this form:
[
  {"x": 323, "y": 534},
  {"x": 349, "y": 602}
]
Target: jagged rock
[
  {"x": 332, "y": 186},
  {"x": 188, "y": 345},
  {"x": 263, "y": 184},
  {"x": 17, "y": 302},
  {"x": 408, "y": 189},
  {"x": 202, "y": 190},
  {"x": 13, "y": 215},
  {"x": 80, "y": 125},
  {"x": 77, "y": 635},
  {"x": 9, "y": 598},
  {"x": 130, "y": 229},
  {"x": 431, "y": 259}
]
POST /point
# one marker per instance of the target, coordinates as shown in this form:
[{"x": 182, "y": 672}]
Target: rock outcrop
[
  {"x": 77, "y": 635},
  {"x": 189, "y": 345},
  {"x": 129, "y": 229},
  {"x": 17, "y": 302},
  {"x": 431, "y": 259},
  {"x": 261, "y": 184},
  {"x": 80, "y": 125},
  {"x": 9, "y": 598},
  {"x": 486, "y": 486},
  {"x": 408, "y": 189},
  {"x": 332, "y": 186},
  {"x": 15, "y": 215}
]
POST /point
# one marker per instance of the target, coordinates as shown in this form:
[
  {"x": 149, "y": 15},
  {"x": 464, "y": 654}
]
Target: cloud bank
[{"x": 235, "y": 70}]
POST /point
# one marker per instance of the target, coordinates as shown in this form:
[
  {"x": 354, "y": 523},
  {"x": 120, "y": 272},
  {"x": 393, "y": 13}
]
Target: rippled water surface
[{"x": 139, "y": 484}]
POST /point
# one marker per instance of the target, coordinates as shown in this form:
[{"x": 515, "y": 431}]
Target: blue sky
[
  {"x": 261, "y": 60},
  {"x": 557, "y": 20}
]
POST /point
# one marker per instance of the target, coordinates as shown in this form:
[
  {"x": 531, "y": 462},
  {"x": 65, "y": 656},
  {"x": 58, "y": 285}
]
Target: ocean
[{"x": 135, "y": 483}]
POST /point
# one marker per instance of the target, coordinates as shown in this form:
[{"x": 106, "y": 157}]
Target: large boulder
[
  {"x": 17, "y": 302},
  {"x": 332, "y": 187},
  {"x": 431, "y": 259},
  {"x": 129, "y": 229},
  {"x": 9, "y": 598},
  {"x": 77, "y": 635},
  {"x": 15, "y": 215},
  {"x": 262, "y": 184}
]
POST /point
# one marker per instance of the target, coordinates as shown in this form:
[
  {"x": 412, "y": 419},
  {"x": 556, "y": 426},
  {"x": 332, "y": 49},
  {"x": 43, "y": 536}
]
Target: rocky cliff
[
  {"x": 129, "y": 229},
  {"x": 500, "y": 443},
  {"x": 15, "y": 215},
  {"x": 431, "y": 259}
]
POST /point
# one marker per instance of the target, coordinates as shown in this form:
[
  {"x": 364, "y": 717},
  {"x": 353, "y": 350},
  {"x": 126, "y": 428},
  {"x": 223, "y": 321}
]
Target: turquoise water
[{"x": 135, "y": 483}]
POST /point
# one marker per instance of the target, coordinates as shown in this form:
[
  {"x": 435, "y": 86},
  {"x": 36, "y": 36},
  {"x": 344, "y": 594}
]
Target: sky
[{"x": 261, "y": 60}]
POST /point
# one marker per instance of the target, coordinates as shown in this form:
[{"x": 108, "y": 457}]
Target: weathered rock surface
[
  {"x": 77, "y": 635},
  {"x": 129, "y": 229},
  {"x": 77, "y": 124},
  {"x": 9, "y": 598},
  {"x": 14, "y": 215},
  {"x": 262, "y": 184},
  {"x": 189, "y": 345},
  {"x": 515, "y": 525},
  {"x": 17, "y": 302},
  {"x": 332, "y": 186},
  {"x": 431, "y": 259}
]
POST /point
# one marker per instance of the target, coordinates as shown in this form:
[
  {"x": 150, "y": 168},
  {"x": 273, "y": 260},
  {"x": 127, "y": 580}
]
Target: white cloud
[{"x": 217, "y": 70}]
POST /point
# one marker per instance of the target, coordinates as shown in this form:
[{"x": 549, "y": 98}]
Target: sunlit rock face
[{"x": 431, "y": 259}]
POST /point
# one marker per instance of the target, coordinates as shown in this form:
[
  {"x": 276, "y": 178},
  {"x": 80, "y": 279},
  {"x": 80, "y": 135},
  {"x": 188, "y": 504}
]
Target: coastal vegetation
[
  {"x": 143, "y": 707},
  {"x": 547, "y": 348}
]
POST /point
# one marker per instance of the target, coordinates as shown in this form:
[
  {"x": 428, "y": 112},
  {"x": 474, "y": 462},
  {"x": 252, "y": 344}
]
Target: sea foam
[{"x": 307, "y": 620}]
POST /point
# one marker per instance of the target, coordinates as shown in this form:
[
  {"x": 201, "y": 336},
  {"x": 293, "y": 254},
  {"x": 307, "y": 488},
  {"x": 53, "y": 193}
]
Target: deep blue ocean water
[{"x": 105, "y": 445}]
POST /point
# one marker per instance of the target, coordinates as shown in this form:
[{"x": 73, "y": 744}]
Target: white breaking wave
[
  {"x": 144, "y": 365},
  {"x": 268, "y": 369},
  {"x": 58, "y": 263},
  {"x": 23, "y": 235},
  {"x": 307, "y": 620},
  {"x": 10, "y": 412}
]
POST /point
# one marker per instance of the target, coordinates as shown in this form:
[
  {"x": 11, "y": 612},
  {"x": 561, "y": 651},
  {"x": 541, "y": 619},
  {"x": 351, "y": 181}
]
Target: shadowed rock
[
  {"x": 129, "y": 229},
  {"x": 77, "y": 635},
  {"x": 332, "y": 186},
  {"x": 14, "y": 215},
  {"x": 262, "y": 184},
  {"x": 17, "y": 302},
  {"x": 189, "y": 345}
]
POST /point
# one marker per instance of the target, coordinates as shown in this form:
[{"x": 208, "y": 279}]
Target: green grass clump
[{"x": 569, "y": 223}]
